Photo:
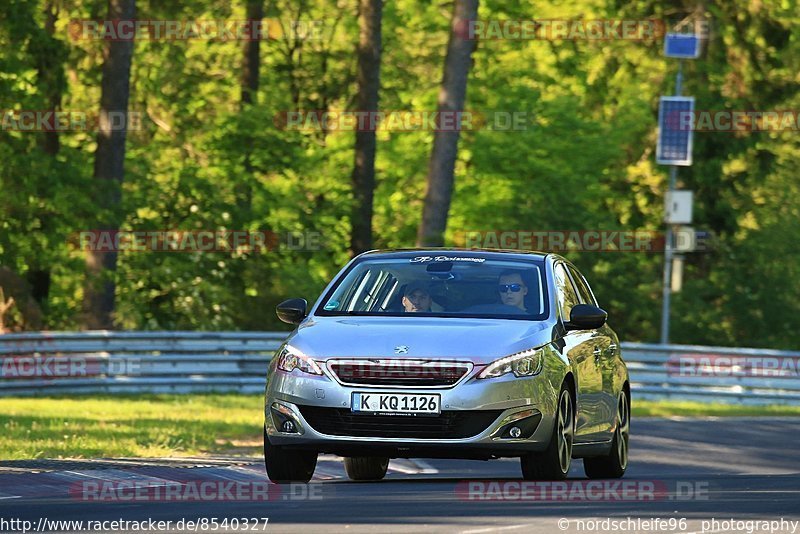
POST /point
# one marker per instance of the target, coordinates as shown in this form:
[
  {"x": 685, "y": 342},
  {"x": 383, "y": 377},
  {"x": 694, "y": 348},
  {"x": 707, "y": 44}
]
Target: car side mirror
[
  {"x": 292, "y": 311},
  {"x": 586, "y": 317}
]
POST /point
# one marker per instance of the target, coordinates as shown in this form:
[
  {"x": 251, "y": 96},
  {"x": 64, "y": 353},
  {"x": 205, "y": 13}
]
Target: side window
[
  {"x": 586, "y": 295},
  {"x": 566, "y": 293}
]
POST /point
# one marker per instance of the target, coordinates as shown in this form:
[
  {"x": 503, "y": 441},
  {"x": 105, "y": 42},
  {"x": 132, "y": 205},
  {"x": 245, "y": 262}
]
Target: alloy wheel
[{"x": 566, "y": 431}]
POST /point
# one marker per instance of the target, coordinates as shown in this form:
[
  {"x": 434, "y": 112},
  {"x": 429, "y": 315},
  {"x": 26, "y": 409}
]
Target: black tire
[
  {"x": 615, "y": 463},
  {"x": 285, "y": 466},
  {"x": 366, "y": 467},
  {"x": 554, "y": 462}
]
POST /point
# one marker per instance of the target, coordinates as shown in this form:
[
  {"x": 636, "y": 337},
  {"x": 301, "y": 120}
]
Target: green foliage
[{"x": 584, "y": 161}]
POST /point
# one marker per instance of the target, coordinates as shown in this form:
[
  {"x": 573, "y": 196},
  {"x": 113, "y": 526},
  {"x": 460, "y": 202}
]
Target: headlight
[
  {"x": 290, "y": 359},
  {"x": 525, "y": 363}
]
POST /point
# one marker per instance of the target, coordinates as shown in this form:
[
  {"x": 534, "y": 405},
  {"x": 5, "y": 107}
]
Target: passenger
[
  {"x": 417, "y": 298},
  {"x": 512, "y": 289}
]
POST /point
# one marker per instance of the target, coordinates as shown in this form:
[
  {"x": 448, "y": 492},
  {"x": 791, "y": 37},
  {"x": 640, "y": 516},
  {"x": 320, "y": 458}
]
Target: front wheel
[
  {"x": 287, "y": 466},
  {"x": 615, "y": 463},
  {"x": 554, "y": 462},
  {"x": 366, "y": 467}
]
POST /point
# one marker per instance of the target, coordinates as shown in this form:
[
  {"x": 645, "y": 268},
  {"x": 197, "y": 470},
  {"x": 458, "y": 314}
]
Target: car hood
[{"x": 477, "y": 340}]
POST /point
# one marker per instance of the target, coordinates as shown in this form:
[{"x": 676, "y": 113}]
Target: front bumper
[{"x": 475, "y": 420}]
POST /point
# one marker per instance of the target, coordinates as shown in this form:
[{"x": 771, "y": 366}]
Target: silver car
[{"x": 449, "y": 353}]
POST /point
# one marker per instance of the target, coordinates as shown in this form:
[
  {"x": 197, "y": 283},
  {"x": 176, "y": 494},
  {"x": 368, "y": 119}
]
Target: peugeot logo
[{"x": 401, "y": 349}]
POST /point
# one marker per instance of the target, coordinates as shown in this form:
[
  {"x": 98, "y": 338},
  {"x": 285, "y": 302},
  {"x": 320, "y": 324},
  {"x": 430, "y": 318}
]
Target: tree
[
  {"x": 368, "y": 76},
  {"x": 452, "y": 95},
  {"x": 109, "y": 168},
  {"x": 251, "y": 54},
  {"x": 49, "y": 54},
  {"x": 251, "y": 59}
]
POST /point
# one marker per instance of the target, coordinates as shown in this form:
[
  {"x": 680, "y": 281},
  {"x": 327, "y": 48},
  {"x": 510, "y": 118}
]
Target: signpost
[{"x": 674, "y": 148}]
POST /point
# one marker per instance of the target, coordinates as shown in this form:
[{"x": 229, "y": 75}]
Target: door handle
[
  {"x": 597, "y": 353},
  {"x": 612, "y": 348}
]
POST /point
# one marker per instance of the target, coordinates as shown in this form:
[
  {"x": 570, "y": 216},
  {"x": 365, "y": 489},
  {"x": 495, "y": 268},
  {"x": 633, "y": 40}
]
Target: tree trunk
[
  {"x": 51, "y": 81},
  {"x": 368, "y": 77},
  {"x": 109, "y": 165},
  {"x": 452, "y": 96},
  {"x": 50, "y": 71},
  {"x": 251, "y": 55},
  {"x": 249, "y": 82}
]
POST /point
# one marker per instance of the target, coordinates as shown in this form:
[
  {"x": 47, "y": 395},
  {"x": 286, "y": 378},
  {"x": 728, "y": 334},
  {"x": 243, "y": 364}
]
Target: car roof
[{"x": 465, "y": 252}]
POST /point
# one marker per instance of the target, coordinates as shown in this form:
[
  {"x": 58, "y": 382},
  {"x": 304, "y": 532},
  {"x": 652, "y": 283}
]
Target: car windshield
[{"x": 441, "y": 286}]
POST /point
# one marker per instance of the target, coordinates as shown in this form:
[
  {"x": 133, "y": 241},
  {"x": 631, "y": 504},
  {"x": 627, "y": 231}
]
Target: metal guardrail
[
  {"x": 53, "y": 363},
  {"x": 713, "y": 374},
  {"x": 135, "y": 362}
]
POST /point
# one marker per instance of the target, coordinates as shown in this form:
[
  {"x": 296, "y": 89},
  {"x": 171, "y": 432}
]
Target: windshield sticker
[{"x": 426, "y": 259}]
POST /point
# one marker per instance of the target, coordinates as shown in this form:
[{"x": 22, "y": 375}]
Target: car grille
[
  {"x": 399, "y": 372},
  {"x": 447, "y": 425}
]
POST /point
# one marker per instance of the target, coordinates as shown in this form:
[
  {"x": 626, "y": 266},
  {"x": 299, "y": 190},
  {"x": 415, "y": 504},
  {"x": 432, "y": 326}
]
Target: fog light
[
  {"x": 520, "y": 425},
  {"x": 285, "y": 420},
  {"x": 288, "y": 426}
]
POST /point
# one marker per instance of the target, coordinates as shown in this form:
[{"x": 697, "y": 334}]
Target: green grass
[
  {"x": 143, "y": 426},
  {"x": 185, "y": 425},
  {"x": 700, "y": 409}
]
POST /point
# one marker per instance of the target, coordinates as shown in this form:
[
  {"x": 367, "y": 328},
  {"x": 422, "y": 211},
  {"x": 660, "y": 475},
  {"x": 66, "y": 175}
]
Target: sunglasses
[{"x": 505, "y": 288}]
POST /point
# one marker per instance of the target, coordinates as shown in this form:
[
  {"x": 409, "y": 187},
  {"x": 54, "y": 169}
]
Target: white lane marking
[
  {"x": 325, "y": 474},
  {"x": 495, "y": 529},
  {"x": 11, "y": 497},
  {"x": 425, "y": 467},
  {"x": 403, "y": 469},
  {"x": 411, "y": 466}
]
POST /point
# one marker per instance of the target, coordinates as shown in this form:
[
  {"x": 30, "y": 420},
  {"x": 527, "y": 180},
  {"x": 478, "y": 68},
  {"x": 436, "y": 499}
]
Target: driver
[
  {"x": 512, "y": 289},
  {"x": 417, "y": 298}
]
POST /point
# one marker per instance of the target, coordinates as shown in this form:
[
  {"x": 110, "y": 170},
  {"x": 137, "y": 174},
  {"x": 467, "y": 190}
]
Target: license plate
[{"x": 395, "y": 403}]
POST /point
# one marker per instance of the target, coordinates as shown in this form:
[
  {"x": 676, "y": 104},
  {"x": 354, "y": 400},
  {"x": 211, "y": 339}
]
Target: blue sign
[
  {"x": 682, "y": 45},
  {"x": 675, "y": 130}
]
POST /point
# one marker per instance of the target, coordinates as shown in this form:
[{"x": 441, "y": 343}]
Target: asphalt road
[{"x": 683, "y": 475}]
